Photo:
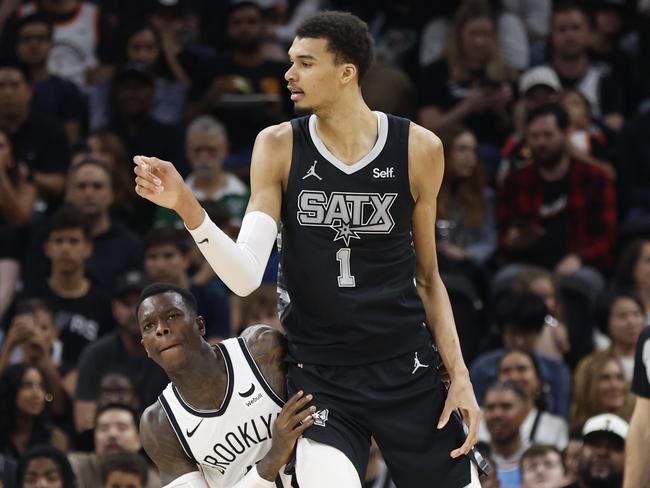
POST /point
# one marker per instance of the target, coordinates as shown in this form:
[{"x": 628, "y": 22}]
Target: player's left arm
[{"x": 426, "y": 167}]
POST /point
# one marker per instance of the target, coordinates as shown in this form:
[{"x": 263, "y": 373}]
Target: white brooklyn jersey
[{"x": 225, "y": 443}]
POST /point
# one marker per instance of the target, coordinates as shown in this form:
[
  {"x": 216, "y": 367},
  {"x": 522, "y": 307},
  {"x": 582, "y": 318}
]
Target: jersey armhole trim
[
  {"x": 258, "y": 374},
  {"x": 176, "y": 428}
]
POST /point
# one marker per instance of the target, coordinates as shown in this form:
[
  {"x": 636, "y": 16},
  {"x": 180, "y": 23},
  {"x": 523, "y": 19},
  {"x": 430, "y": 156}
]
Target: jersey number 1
[{"x": 346, "y": 280}]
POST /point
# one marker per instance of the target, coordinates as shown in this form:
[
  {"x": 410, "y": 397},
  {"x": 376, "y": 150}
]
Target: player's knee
[{"x": 320, "y": 465}]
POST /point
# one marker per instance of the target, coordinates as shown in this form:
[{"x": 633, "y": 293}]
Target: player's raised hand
[
  {"x": 461, "y": 397},
  {"x": 158, "y": 181},
  {"x": 293, "y": 420}
]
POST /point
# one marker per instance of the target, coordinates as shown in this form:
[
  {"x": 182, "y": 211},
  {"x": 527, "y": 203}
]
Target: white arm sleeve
[
  {"x": 189, "y": 480},
  {"x": 240, "y": 265}
]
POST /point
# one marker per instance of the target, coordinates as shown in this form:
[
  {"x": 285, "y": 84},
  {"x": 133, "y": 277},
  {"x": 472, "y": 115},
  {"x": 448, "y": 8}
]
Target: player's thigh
[
  {"x": 405, "y": 425},
  {"x": 339, "y": 420},
  {"x": 320, "y": 465}
]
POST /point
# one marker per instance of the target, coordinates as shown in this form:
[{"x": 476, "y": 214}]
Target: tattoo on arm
[{"x": 162, "y": 446}]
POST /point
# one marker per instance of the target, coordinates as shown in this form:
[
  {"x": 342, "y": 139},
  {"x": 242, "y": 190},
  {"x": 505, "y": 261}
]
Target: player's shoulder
[
  {"x": 264, "y": 339},
  {"x": 421, "y": 138},
  {"x": 276, "y": 135},
  {"x": 268, "y": 347},
  {"x": 425, "y": 154},
  {"x": 153, "y": 419}
]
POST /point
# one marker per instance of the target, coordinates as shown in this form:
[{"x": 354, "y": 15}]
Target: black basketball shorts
[{"x": 399, "y": 402}]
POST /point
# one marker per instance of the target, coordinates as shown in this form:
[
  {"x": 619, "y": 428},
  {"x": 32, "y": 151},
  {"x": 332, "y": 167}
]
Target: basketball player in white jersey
[
  {"x": 220, "y": 423},
  {"x": 360, "y": 294}
]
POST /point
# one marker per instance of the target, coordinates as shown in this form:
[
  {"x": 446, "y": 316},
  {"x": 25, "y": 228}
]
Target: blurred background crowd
[{"x": 543, "y": 227}]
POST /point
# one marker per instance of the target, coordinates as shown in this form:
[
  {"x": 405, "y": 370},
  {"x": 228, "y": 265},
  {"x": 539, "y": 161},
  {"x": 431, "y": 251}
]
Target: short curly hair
[{"x": 347, "y": 37}]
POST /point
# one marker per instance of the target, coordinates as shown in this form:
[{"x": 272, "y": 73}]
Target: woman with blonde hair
[
  {"x": 471, "y": 84},
  {"x": 600, "y": 387}
]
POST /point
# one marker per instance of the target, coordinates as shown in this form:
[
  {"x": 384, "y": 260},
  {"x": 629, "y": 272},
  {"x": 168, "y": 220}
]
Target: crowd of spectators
[{"x": 543, "y": 228}]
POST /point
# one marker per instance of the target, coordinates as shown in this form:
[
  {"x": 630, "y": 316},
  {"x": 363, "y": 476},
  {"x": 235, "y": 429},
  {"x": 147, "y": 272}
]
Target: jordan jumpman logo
[
  {"x": 417, "y": 364},
  {"x": 312, "y": 172}
]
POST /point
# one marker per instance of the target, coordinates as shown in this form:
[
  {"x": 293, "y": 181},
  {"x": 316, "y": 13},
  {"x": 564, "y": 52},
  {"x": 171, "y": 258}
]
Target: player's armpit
[{"x": 162, "y": 446}]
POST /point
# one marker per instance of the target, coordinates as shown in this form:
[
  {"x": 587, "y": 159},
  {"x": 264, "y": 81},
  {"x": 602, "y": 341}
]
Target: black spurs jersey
[{"x": 346, "y": 286}]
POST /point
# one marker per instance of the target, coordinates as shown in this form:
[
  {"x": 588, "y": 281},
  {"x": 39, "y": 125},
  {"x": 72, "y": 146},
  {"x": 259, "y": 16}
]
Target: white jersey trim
[
  {"x": 258, "y": 373},
  {"x": 226, "y": 399},
  {"x": 348, "y": 169}
]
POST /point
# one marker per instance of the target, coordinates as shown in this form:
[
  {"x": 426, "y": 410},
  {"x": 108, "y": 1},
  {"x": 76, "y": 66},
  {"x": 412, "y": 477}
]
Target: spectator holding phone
[
  {"x": 471, "y": 84},
  {"x": 556, "y": 212}
]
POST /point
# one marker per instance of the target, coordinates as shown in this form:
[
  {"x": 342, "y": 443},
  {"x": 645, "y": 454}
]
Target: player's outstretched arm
[
  {"x": 161, "y": 444},
  {"x": 240, "y": 265},
  {"x": 426, "y": 166}
]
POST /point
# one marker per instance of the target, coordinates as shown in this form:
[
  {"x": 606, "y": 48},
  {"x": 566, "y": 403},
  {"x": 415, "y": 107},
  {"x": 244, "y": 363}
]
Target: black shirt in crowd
[{"x": 109, "y": 355}]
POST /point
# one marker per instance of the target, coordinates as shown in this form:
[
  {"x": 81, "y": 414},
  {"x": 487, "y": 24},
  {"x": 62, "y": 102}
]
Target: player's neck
[
  {"x": 348, "y": 129},
  {"x": 202, "y": 382}
]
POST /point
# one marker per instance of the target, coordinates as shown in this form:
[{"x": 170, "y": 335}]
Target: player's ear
[
  {"x": 348, "y": 73},
  {"x": 200, "y": 323}
]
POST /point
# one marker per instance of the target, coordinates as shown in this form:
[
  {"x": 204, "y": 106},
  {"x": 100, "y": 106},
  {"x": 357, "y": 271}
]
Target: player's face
[
  {"x": 42, "y": 472},
  {"x": 547, "y": 142},
  {"x": 601, "y": 461},
  {"x": 170, "y": 331},
  {"x": 206, "y": 151},
  {"x": 165, "y": 263},
  {"x": 518, "y": 368},
  {"x": 89, "y": 189},
  {"x": 314, "y": 78},
  {"x": 503, "y": 415},
  {"x": 116, "y": 431},
  {"x": 544, "y": 471},
  {"x": 611, "y": 387},
  {"x": 67, "y": 249},
  {"x": 626, "y": 321}
]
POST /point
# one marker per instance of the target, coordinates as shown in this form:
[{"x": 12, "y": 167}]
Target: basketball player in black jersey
[
  {"x": 172, "y": 335},
  {"x": 355, "y": 193}
]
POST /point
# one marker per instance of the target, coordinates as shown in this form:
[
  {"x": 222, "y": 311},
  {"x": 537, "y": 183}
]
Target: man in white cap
[
  {"x": 537, "y": 87},
  {"x": 602, "y": 458}
]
